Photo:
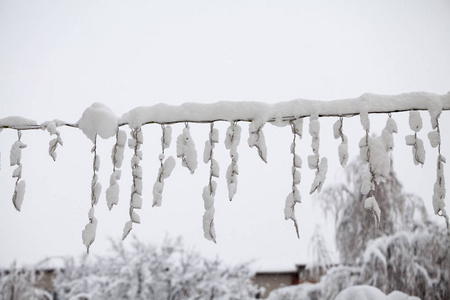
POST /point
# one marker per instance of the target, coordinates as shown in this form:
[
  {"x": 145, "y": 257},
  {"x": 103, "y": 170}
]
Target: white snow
[
  {"x": 207, "y": 151},
  {"x": 98, "y": 119},
  {"x": 313, "y": 161},
  {"x": 439, "y": 188},
  {"x": 136, "y": 201},
  {"x": 233, "y": 136},
  {"x": 16, "y": 153},
  {"x": 166, "y": 138},
  {"x": 168, "y": 167},
  {"x": 297, "y": 176},
  {"x": 256, "y": 138},
  {"x": 17, "y": 171},
  {"x": 16, "y": 121},
  {"x": 158, "y": 188},
  {"x": 337, "y": 126},
  {"x": 320, "y": 177},
  {"x": 208, "y": 224},
  {"x": 435, "y": 138},
  {"x": 297, "y": 161},
  {"x": 397, "y": 295},
  {"x": 434, "y": 105},
  {"x": 367, "y": 292},
  {"x": 367, "y": 184},
  {"x": 361, "y": 292},
  {"x": 97, "y": 192},
  {"x": 391, "y": 125},
  {"x": 364, "y": 118},
  {"x": 126, "y": 229},
  {"x": 186, "y": 150},
  {"x": 415, "y": 121},
  {"x": 298, "y": 127},
  {"x": 289, "y": 212},
  {"x": 371, "y": 204},
  {"x": 19, "y": 193},
  {"x": 88, "y": 234},
  {"x": 234, "y": 110},
  {"x": 343, "y": 153},
  {"x": 135, "y": 218},
  {"x": 232, "y": 139},
  {"x": 119, "y": 148},
  {"x": 112, "y": 195}
]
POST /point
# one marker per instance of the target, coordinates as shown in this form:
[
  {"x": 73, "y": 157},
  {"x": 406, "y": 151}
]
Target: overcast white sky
[{"x": 58, "y": 57}]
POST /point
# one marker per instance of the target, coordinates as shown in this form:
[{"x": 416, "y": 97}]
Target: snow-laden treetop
[{"x": 99, "y": 120}]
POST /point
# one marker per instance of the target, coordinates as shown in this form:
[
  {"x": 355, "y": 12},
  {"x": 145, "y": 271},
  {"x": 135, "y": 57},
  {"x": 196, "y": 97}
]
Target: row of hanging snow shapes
[{"x": 373, "y": 151}]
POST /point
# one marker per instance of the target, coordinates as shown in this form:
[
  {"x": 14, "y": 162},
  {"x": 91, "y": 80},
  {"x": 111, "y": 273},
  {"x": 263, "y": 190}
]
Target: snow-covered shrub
[
  {"x": 148, "y": 272},
  {"x": 417, "y": 263}
]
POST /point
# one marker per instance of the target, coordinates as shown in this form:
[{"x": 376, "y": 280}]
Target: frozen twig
[
  {"x": 343, "y": 146},
  {"x": 418, "y": 150},
  {"x": 294, "y": 196},
  {"x": 232, "y": 140},
  {"x": 15, "y": 160},
  {"x": 88, "y": 233},
  {"x": 53, "y": 144},
  {"x": 186, "y": 150},
  {"x": 314, "y": 161},
  {"x": 112, "y": 193},
  {"x": 209, "y": 191},
  {"x": 256, "y": 138},
  {"x": 135, "y": 143},
  {"x": 439, "y": 185},
  {"x": 166, "y": 166}
]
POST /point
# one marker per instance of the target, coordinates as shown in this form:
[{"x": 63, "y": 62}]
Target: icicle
[
  {"x": 256, "y": 138},
  {"x": 112, "y": 193},
  {"x": 15, "y": 160},
  {"x": 294, "y": 196},
  {"x": 232, "y": 139},
  {"x": 186, "y": 150},
  {"x": 166, "y": 167},
  {"x": 314, "y": 161},
  {"x": 343, "y": 147},
  {"x": 209, "y": 191},
  {"x": 418, "y": 150},
  {"x": 88, "y": 234},
  {"x": 135, "y": 143}
]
